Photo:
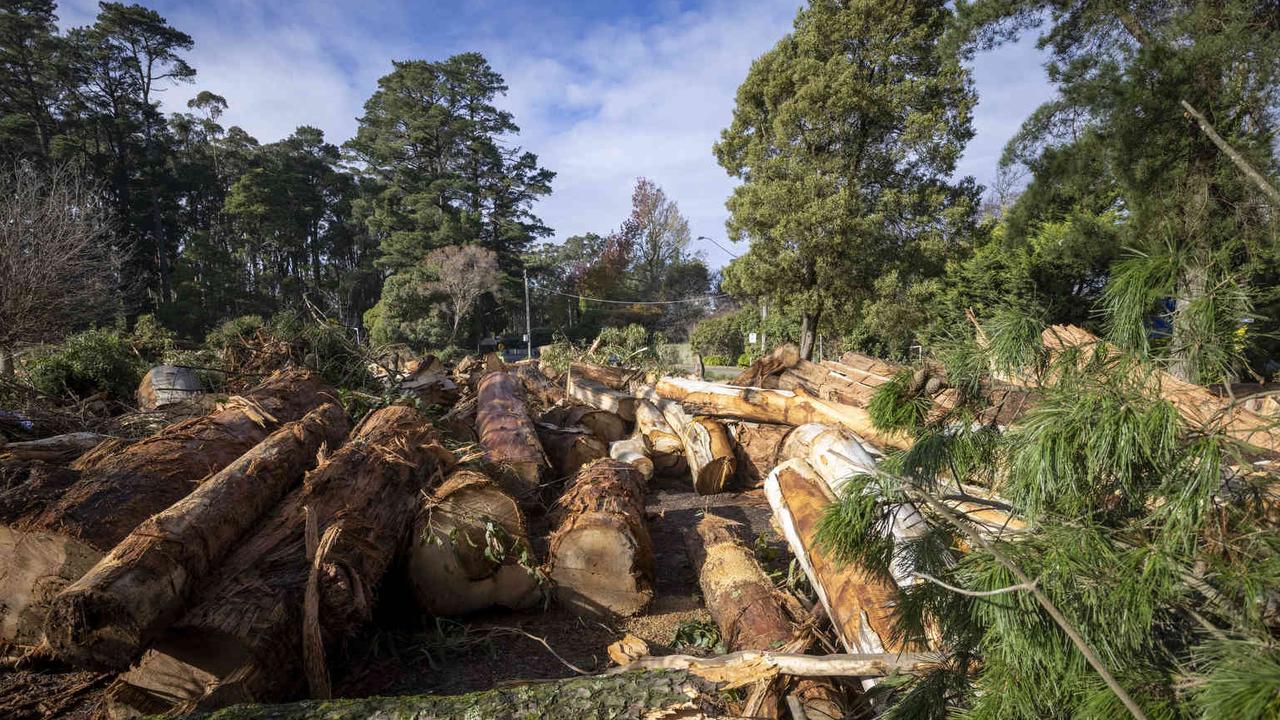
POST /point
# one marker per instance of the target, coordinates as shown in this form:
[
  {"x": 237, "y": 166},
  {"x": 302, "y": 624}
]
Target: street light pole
[{"x": 528, "y": 319}]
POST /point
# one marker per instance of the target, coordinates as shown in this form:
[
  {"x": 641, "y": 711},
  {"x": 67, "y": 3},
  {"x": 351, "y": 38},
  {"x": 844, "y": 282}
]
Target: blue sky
[{"x": 604, "y": 90}]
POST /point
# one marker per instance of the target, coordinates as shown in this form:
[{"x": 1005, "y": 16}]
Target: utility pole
[
  {"x": 764, "y": 315},
  {"x": 528, "y": 319}
]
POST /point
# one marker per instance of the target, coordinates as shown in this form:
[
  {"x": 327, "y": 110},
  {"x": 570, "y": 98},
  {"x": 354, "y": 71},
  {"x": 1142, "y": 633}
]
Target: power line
[{"x": 703, "y": 298}]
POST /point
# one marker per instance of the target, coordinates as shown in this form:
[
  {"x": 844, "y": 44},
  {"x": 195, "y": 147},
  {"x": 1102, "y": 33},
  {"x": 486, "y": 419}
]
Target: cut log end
[{"x": 595, "y": 571}]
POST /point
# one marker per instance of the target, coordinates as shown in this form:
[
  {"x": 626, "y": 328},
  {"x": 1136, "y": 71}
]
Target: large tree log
[
  {"x": 430, "y": 383},
  {"x": 832, "y": 381},
  {"x": 666, "y": 449},
  {"x": 756, "y": 447},
  {"x": 56, "y": 449},
  {"x": 509, "y": 437},
  {"x": 741, "y": 598},
  {"x": 106, "y": 618},
  {"x": 42, "y": 553},
  {"x": 763, "y": 372},
  {"x": 243, "y": 641},
  {"x": 469, "y": 543},
  {"x": 627, "y": 696},
  {"x": 634, "y": 452},
  {"x": 614, "y": 378},
  {"x": 592, "y": 393},
  {"x": 603, "y": 424},
  {"x": 537, "y": 385},
  {"x": 707, "y": 449},
  {"x": 569, "y": 448},
  {"x": 774, "y": 406},
  {"x": 601, "y": 556},
  {"x": 167, "y": 384}
]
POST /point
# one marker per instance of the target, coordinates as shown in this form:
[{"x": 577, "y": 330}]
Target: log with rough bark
[
  {"x": 603, "y": 424},
  {"x": 774, "y": 406},
  {"x": 469, "y": 543},
  {"x": 629, "y": 696},
  {"x": 708, "y": 451},
  {"x": 635, "y": 453},
  {"x": 592, "y": 393},
  {"x": 43, "y": 552},
  {"x": 569, "y": 448},
  {"x": 601, "y": 556},
  {"x": 106, "y": 618},
  {"x": 747, "y": 667},
  {"x": 763, "y": 372},
  {"x": 832, "y": 381},
  {"x": 756, "y": 447},
  {"x": 56, "y": 449},
  {"x": 430, "y": 383},
  {"x": 666, "y": 449},
  {"x": 282, "y": 590},
  {"x": 537, "y": 385},
  {"x": 614, "y": 378},
  {"x": 509, "y": 437}
]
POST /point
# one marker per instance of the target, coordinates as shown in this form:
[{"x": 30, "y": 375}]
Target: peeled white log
[
  {"x": 635, "y": 453},
  {"x": 598, "y": 396}
]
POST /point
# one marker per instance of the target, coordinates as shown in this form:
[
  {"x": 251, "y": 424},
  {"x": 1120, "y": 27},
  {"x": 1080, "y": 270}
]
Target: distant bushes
[
  {"x": 719, "y": 337},
  {"x": 88, "y": 363}
]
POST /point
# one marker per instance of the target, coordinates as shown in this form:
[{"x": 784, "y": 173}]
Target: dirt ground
[{"x": 405, "y": 652}]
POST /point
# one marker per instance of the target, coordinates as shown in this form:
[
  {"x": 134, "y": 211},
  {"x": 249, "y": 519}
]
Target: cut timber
[
  {"x": 468, "y": 541},
  {"x": 742, "y": 599},
  {"x": 42, "y": 553},
  {"x": 56, "y": 449},
  {"x": 756, "y": 447},
  {"x": 602, "y": 423},
  {"x": 509, "y": 437},
  {"x": 614, "y": 378},
  {"x": 167, "y": 384},
  {"x": 859, "y": 603},
  {"x": 592, "y": 393},
  {"x": 537, "y": 385},
  {"x": 635, "y": 453},
  {"x": 832, "y": 381},
  {"x": 243, "y": 639},
  {"x": 601, "y": 557},
  {"x": 666, "y": 449},
  {"x": 670, "y": 694},
  {"x": 106, "y": 618},
  {"x": 569, "y": 448},
  {"x": 763, "y": 371},
  {"x": 430, "y": 383},
  {"x": 774, "y": 406},
  {"x": 707, "y": 449},
  {"x": 747, "y": 667}
]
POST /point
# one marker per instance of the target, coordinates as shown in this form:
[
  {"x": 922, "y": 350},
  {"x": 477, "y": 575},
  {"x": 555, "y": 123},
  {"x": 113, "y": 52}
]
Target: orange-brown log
[
  {"x": 601, "y": 556},
  {"x": 569, "y": 448},
  {"x": 756, "y": 447},
  {"x": 742, "y": 599},
  {"x": 508, "y": 436},
  {"x": 592, "y": 393},
  {"x": 537, "y": 385},
  {"x": 763, "y": 372},
  {"x": 708, "y": 451},
  {"x": 106, "y": 618},
  {"x": 666, "y": 449},
  {"x": 243, "y": 639},
  {"x": 612, "y": 377},
  {"x": 603, "y": 424}
]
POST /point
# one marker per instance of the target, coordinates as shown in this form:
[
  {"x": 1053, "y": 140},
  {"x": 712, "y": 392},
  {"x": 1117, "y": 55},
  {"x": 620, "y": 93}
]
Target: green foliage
[
  {"x": 91, "y": 362},
  {"x": 234, "y": 331},
  {"x": 151, "y": 340},
  {"x": 1241, "y": 680},
  {"x": 715, "y": 360},
  {"x": 699, "y": 635},
  {"x": 718, "y": 335},
  {"x": 745, "y": 360}
]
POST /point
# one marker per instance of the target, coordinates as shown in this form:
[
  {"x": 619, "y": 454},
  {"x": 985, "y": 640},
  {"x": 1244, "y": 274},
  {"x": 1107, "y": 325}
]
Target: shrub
[
  {"x": 86, "y": 364},
  {"x": 234, "y": 331},
  {"x": 716, "y": 360},
  {"x": 745, "y": 359},
  {"x": 151, "y": 340},
  {"x": 717, "y": 335}
]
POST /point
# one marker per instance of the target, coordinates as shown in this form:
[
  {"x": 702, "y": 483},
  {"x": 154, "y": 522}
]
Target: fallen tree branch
[{"x": 750, "y": 666}]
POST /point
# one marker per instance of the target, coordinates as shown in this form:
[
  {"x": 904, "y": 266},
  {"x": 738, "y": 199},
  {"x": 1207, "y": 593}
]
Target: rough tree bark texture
[
  {"x": 537, "y": 385},
  {"x": 603, "y": 424},
  {"x": 708, "y": 451},
  {"x": 56, "y": 449},
  {"x": 468, "y": 542},
  {"x": 43, "y": 552},
  {"x": 601, "y": 556},
  {"x": 666, "y": 449},
  {"x": 430, "y": 383},
  {"x": 614, "y": 378},
  {"x": 635, "y": 453},
  {"x": 774, "y": 406},
  {"x": 107, "y": 618},
  {"x": 243, "y": 639},
  {"x": 509, "y": 437},
  {"x": 756, "y": 447},
  {"x": 569, "y": 448},
  {"x": 832, "y": 381},
  {"x": 762, "y": 373},
  {"x": 592, "y": 393}
]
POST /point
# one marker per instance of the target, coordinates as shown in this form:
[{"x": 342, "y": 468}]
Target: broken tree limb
[
  {"x": 751, "y": 666},
  {"x": 601, "y": 556},
  {"x": 832, "y": 381},
  {"x": 242, "y": 640},
  {"x": 707, "y": 449},
  {"x": 538, "y": 385},
  {"x": 42, "y": 553},
  {"x": 612, "y": 377},
  {"x": 430, "y": 383},
  {"x": 569, "y": 448},
  {"x": 763, "y": 372},
  {"x": 468, "y": 543},
  {"x": 635, "y": 453},
  {"x": 602, "y": 423},
  {"x": 774, "y": 406},
  {"x": 106, "y": 618},
  {"x": 756, "y": 447},
  {"x": 56, "y": 449},
  {"x": 666, "y": 449},
  {"x": 509, "y": 437},
  {"x": 592, "y": 393}
]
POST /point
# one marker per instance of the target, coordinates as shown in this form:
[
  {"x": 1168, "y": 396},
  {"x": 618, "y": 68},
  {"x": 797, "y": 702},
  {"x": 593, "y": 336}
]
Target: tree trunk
[
  {"x": 537, "y": 385},
  {"x": 763, "y": 372},
  {"x": 569, "y": 448},
  {"x": 243, "y": 641},
  {"x": 603, "y": 424},
  {"x": 831, "y": 381},
  {"x": 509, "y": 437},
  {"x": 1191, "y": 287},
  {"x": 598, "y": 396},
  {"x": 666, "y": 449},
  {"x": 625, "y": 696},
  {"x": 635, "y": 453},
  {"x": 808, "y": 333},
  {"x": 707, "y": 449},
  {"x": 6, "y": 362},
  {"x": 60, "y": 449},
  {"x": 601, "y": 557},
  {"x": 41, "y": 553},
  {"x": 106, "y": 618},
  {"x": 756, "y": 447},
  {"x": 781, "y": 407},
  {"x": 430, "y": 383},
  {"x": 614, "y": 378},
  {"x": 468, "y": 544}
]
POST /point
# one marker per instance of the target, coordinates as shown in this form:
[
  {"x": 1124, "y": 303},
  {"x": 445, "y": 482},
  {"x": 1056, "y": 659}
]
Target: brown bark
[
  {"x": 614, "y": 378},
  {"x": 774, "y": 406},
  {"x": 666, "y": 449},
  {"x": 601, "y": 556},
  {"x": 763, "y": 372},
  {"x": 56, "y": 449},
  {"x": 603, "y": 424},
  {"x": 468, "y": 542},
  {"x": 42, "y": 553},
  {"x": 537, "y": 385},
  {"x": 509, "y": 437},
  {"x": 596, "y": 395},
  {"x": 707, "y": 449},
  {"x": 106, "y": 618},
  {"x": 569, "y": 448},
  {"x": 830, "y": 381},
  {"x": 242, "y": 640},
  {"x": 430, "y": 383},
  {"x": 756, "y": 447},
  {"x": 635, "y": 453},
  {"x": 740, "y": 596}
]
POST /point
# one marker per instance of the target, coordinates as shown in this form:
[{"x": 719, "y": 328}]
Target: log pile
[{"x": 508, "y": 436}]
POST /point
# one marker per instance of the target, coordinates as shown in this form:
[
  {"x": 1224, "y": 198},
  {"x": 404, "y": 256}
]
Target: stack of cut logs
[{"x": 219, "y": 561}]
